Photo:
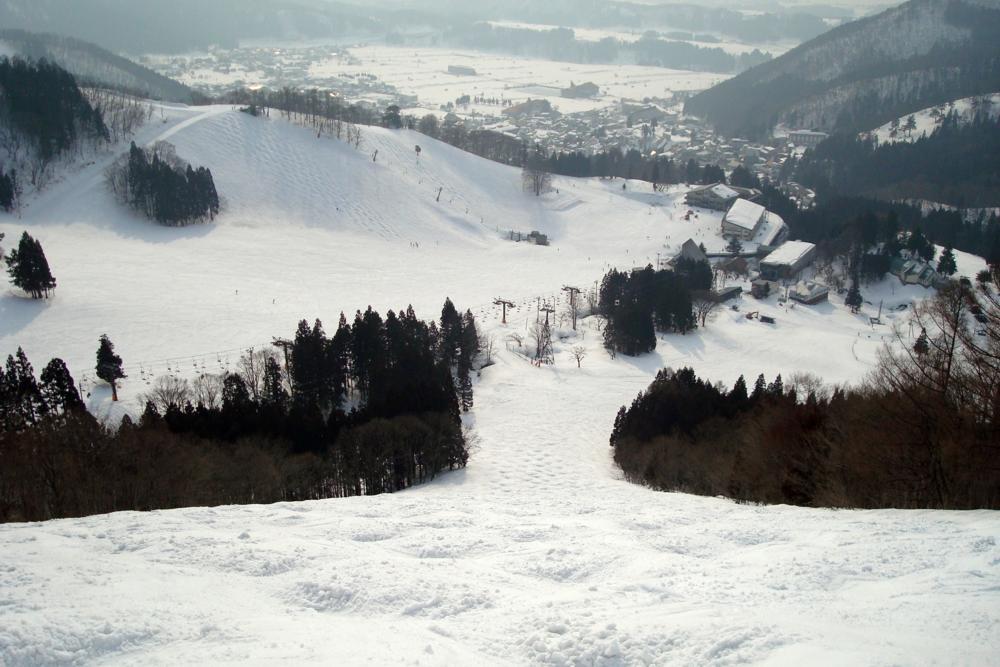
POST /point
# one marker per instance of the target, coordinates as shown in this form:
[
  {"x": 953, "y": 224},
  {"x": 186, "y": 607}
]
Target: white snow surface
[
  {"x": 745, "y": 213},
  {"x": 537, "y": 553},
  {"x": 788, "y": 253}
]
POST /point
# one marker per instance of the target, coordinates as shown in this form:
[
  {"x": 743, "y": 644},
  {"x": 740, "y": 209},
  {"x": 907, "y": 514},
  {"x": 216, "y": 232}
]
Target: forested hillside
[
  {"x": 862, "y": 74},
  {"x": 43, "y": 114},
  {"x": 92, "y": 65},
  {"x": 957, "y": 164},
  {"x": 182, "y": 25}
]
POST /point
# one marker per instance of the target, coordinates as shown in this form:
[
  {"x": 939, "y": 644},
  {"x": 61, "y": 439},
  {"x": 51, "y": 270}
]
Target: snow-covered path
[{"x": 537, "y": 553}]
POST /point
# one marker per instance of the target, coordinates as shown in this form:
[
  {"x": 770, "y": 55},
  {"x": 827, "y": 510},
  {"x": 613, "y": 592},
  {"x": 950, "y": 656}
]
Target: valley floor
[{"x": 537, "y": 553}]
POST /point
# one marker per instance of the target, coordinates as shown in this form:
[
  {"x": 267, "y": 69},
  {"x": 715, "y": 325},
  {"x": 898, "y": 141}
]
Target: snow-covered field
[
  {"x": 424, "y": 72},
  {"x": 634, "y": 35},
  {"x": 537, "y": 553}
]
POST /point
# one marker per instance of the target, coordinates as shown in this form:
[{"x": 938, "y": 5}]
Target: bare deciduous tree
[
  {"x": 206, "y": 390},
  {"x": 704, "y": 305},
  {"x": 251, "y": 366},
  {"x": 579, "y": 352},
  {"x": 167, "y": 390},
  {"x": 536, "y": 181}
]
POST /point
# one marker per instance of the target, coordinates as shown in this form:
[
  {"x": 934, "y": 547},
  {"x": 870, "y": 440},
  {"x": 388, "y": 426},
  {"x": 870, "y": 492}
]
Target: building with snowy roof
[
  {"x": 690, "y": 250},
  {"x": 743, "y": 220},
  {"x": 806, "y": 138},
  {"x": 718, "y": 196},
  {"x": 809, "y": 292},
  {"x": 771, "y": 233},
  {"x": 582, "y": 91},
  {"x": 788, "y": 260}
]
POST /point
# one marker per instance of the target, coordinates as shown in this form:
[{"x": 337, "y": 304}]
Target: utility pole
[
  {"x": 284, "y": 344},
  {"x": 573, "y": 293},
  {"x": 505, "y": 305}
]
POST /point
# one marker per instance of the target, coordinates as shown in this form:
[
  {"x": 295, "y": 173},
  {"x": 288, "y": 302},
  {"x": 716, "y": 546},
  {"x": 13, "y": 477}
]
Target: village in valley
[
  {"x": 757, "y": 270},
  {"x": 555, "y": 106},
  {"x": 569, "y": 108}
]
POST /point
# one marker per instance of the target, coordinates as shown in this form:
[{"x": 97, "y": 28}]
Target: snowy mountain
[
  {"x": 90, "y": 64},
  {"x": 927, "y": 120},
  {"x": 183, "y": 25},
  {"x": 537, "y": 553},
  {"x": 859, "y": 75}
]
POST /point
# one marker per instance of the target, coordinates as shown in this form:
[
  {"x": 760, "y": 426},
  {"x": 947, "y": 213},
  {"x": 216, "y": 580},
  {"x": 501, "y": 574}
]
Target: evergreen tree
[
  {"x": 469, "y": 344},
  {"x": 918, "y": 245},
  {"x": 8, "y": 190},
  {"x": 58, "y": 388},
  {"x": 738, "y": 395},
  {"x": 109, "y": 365},
  {"x": 759, "y": 388},
  {"x": 451, "y": 332},
  {"x": 465, "y": 387},
  {"x": 391, "y": 117},
  {"x": 742, "y": 177},
  {"x": 853, "y": 298},
  {"x": 922, "y": 345},
  {"x": 339, "y": 361},
  {"x": 162, "y": 188},
  {"x": 235, "y": 396},
  {"x": 28, "y": 268},
  {"x": 946, "y": 263},
  {"x": 619, "y": 425},
  {"x": 776, "y": 388},
  {"x": 273, "y": 393},
  {"x": 735, "y": 246},
  {"x": 21, "y": 400}
]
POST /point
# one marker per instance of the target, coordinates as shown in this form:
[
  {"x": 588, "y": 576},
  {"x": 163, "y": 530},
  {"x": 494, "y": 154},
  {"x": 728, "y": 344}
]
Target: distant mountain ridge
[
  {"x": 90, "y": 65},
  {"x": 155, "y": 26},
  {"x": 862, "y": 74}
]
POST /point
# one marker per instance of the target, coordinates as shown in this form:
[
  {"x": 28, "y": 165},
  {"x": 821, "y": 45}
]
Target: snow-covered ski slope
[{"x": 537, "y": 553}]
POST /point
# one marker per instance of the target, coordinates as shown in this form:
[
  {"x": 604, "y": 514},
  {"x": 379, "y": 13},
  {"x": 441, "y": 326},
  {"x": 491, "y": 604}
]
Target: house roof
[
  {"x": 769, "y": 231},
  {"x": 720, "y": 190},
  {"x": 788, "y": 253},
  {"x": 724, "y": 191},
  {"x": 744, "y": 214},
  {"x": 692, "y": 250},
  {"x": 809, "y": 289}
]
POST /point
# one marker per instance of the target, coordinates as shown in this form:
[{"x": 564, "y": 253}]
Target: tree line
[
  {"x": 374, "y": 408},
  {"x": 956, "y": 164},
  {"x": 561, "y": 44},
  {"x": 162, "y": 187},
  {"x": 10, "y": 190},
  {"x": 921, "y": 431},
  {"x": 638, "y": 303},
  {"x": 841, "y": 223},
  {"x": 43, "y": 114}
]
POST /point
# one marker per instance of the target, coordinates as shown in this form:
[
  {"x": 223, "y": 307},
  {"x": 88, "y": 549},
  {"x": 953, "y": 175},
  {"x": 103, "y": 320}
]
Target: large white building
[
  {"x": 743, "y": 220},
  {"x": 787, "y": 261}
]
